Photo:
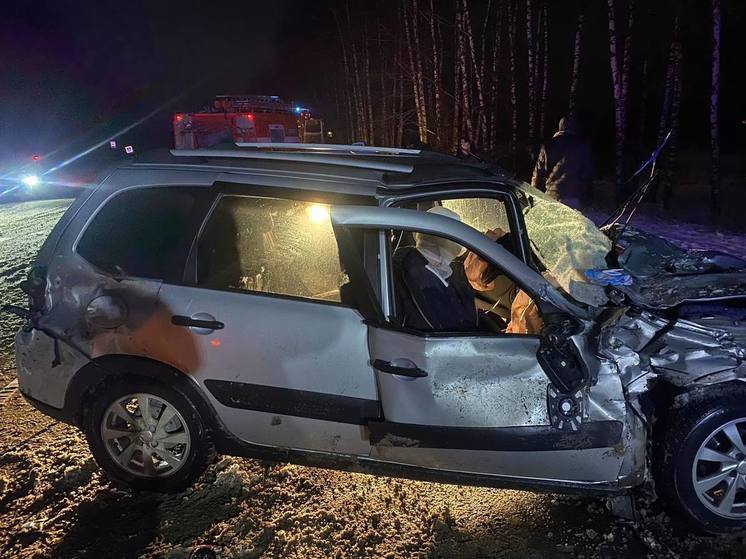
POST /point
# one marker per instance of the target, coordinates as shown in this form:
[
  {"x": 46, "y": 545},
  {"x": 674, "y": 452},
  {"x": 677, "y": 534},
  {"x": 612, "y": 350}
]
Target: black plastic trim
[
  {"x": 235, "y": 447},
  {"x": 595, "y": 434},
  {"x": 299, "y": 403}
]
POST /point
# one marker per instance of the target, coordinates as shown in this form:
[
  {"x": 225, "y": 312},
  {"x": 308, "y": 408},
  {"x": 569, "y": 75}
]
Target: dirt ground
[{"x": 55, "y": 502}]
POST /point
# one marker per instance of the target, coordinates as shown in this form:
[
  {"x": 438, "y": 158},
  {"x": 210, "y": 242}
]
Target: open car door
[{"x": 510, "y": 406}]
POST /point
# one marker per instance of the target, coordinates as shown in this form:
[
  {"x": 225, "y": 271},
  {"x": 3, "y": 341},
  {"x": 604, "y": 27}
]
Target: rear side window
[
  {"x": 284, "y": 247},
  {"x": 144, "y": 232}
]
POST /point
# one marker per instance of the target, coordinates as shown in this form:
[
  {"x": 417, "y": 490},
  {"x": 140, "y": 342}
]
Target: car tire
[
  {"x": 176, "y": 442},
  {"x": 700, "y": 427}
]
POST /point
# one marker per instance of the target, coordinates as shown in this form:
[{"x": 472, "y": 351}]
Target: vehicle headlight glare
[{"x": 30, "y": 180}]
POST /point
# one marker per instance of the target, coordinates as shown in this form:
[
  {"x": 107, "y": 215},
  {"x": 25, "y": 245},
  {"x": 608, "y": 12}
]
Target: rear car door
[
  {"x": 486, "y": 403},
  {"x": 272, "y": 337}
]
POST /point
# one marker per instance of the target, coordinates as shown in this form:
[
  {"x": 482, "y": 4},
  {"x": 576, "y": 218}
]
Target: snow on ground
[
  {"x": 683, "y": 234},
  {"x": 55, "y": 502}
]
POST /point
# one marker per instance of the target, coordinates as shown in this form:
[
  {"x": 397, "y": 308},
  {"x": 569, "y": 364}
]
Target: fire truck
[{"x": 246, "y": 118}]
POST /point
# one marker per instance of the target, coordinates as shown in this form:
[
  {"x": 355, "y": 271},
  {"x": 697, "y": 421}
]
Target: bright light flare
[
  {"x": 30, "y": 180},
  {"x": 318, "y": 213}
]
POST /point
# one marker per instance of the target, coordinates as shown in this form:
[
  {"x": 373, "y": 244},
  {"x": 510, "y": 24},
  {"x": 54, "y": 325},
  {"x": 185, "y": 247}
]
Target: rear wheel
[
  {"x": 147, "y": 436},
  {"x": 701, "y": 465}
]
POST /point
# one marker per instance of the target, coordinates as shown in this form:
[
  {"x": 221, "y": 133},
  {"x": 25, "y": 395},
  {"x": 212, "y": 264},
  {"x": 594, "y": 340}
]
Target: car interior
[{"x": 501, "y": 307}]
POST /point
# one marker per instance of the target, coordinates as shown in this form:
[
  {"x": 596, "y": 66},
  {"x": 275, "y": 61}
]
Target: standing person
[
  {"x": 466, "y": 150},
  {"x": 564, "y": 168}
]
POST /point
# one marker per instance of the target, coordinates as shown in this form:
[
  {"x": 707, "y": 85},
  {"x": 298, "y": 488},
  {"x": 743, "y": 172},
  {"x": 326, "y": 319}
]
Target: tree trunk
[
  {"x": 513, "y": 85},
  {"x": 359, "y": 102},
  {"x": 436, "y": 74},
  {"x": 456, "y": 85},
  {"x": 368, "y": 96},
  {"x": 348, "y": 98},
  {"x": 400, "y": 129},
  {"x": 481, "y": 120},
  {"x": 673, "y": 142},
  {"x": 663, "y": 124},
  {"x": 618, "y": 104},
  {"x": 496, "y": 52},
  {"x": 419, "y": 96},
  {"x": 714, "y": 110},
  {"x": 544, "y": 70},
  {"x": 385, "y": 141},
  {"x": 626, "y": 62},
  {"x": 420, "y": 78},
  {"x": 531, "y": 51},
  {"x": 478, "y": 70},
  {"x": 641, "y": 138},
  {"x": 465, "y": 98},
  {"x": 575, "y": 67}
]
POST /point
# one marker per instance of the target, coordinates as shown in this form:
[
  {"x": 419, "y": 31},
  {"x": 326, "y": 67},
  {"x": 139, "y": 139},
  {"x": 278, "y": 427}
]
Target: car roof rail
[
  {"x": 352, "y": 149},
  {"x": 298, "y": 157}
]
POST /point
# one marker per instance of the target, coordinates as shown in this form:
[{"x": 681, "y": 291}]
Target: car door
[
  {"x": 487, "y": 403},
  {"x": 281, "y": 357}
]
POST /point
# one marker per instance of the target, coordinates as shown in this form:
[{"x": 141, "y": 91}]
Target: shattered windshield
[{"x": 565, "y": 241}]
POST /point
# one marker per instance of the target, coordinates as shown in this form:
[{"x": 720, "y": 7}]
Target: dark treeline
[{"x": 502, "y": 72}]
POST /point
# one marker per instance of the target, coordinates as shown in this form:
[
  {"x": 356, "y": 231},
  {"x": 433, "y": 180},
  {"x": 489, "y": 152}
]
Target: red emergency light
[
  {"x": 250, "y": 117},
  {"x": 179, "y": 118}
]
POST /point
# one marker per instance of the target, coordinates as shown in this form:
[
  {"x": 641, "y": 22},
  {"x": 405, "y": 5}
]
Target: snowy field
[{"x": 54, "y": 502}]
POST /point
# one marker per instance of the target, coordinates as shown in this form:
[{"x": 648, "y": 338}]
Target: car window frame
[
  {"x": 480, "y": 190},
  {"x": 226, "y": 189},
  {"x": 198, "y": 219}
]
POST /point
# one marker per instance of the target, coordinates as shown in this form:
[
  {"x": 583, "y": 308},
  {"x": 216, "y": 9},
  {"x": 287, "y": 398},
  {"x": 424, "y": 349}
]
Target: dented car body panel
[{"x": 284, "y": 377}]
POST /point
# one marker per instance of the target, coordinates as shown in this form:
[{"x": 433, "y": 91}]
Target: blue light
[{"x": 298, "y": 110}]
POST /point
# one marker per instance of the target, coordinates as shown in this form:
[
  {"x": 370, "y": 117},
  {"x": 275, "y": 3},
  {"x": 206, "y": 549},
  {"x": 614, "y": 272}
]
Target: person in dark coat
[
  {"x": 564, "y": 168},
  {"x": 465, "y": 150}
]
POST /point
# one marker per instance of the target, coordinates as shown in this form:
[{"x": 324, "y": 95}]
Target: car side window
[
  {"x": 441, "y": 286},
  {"x": 271, "y": 245},
  {"x": 144, "y": 232}
]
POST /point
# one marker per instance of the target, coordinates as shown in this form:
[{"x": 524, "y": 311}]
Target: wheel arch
[{"x": 108, "y": 368}]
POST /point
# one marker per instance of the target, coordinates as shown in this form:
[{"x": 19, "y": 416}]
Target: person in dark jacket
[
  {"x": 564, "y": 168},
  {"x": 465, "y": 150},
  {"x": 433, "y": 292}
]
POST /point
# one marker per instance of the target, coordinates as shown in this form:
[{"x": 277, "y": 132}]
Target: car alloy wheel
[
  {"x": 145, "y": 435},
  {"x": 719, "y": 471}
]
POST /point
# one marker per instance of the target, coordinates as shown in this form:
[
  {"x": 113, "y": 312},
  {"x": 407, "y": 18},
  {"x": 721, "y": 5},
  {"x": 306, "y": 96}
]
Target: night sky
[{"x": 74, "y": 72}]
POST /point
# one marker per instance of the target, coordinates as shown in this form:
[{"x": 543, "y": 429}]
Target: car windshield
[{"x": 565, "y": 241}]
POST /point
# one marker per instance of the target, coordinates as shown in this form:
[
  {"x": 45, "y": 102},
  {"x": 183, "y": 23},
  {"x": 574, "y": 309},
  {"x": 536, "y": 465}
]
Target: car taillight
[{"x": 34, "y": 286}]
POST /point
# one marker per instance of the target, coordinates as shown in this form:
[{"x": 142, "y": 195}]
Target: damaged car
[{"x": 247, "y": 301}]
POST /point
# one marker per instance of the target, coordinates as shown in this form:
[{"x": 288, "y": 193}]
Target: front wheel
[
  {"x": 701, "y": 466},
  {"x": 145, "y": 435}
]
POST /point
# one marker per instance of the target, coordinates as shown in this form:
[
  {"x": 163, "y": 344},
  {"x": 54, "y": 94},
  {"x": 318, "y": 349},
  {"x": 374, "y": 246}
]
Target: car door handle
[
  {"x": 193, "y": 322},
  {"x": 386, "y": 367}
]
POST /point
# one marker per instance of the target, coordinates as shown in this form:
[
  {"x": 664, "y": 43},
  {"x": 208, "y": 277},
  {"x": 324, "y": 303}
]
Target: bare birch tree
[
  {"x": 673, "y": 142},
  {"x": 531, "y": 53},
  {"x": 436, "y": 73},
  {"x": 544, "y": 69},
  {"x": 618, "y": 102},
  {"x": 481, "y": 120},
  {"x": 714, "y": 110},
  {"x": 575, "y": 66},
  {"x": 415, "y": 63},
  {"x": 463, "y": 74},
  {"x": 513, "y": 86}
]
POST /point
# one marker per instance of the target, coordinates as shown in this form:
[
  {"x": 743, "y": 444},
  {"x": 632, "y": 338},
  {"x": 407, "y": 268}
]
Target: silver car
[{"x": 245, "y": 301}]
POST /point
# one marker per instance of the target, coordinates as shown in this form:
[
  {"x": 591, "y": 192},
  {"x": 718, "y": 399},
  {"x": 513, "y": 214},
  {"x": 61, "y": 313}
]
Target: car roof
[{"x": 363, "y": 170}]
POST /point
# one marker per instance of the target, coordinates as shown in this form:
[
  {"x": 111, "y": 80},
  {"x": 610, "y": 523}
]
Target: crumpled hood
[{"x": 665, "y": 275}]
